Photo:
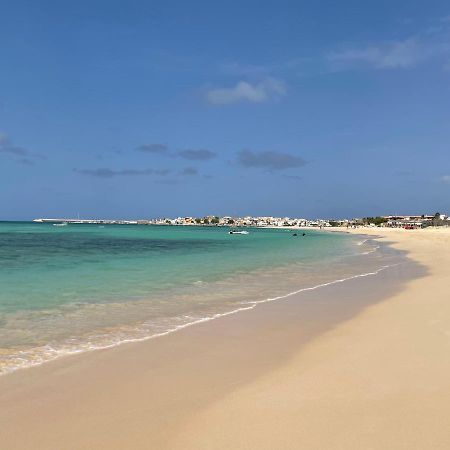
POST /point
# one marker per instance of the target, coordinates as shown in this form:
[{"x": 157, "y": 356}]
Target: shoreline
[
  {"x": 36, "y": 356},
  {"x": 162, "y": 395},
  {"x": 377, "y": 381}
]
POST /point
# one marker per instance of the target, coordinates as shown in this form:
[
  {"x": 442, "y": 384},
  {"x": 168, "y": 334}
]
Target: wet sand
[{"x": 360, "y": 364}]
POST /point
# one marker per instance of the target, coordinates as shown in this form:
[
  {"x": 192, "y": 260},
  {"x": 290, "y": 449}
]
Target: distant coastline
[{"x": 398, "y": 221}]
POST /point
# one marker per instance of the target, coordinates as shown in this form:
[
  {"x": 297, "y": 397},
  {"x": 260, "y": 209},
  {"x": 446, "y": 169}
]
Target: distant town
[{"x": 411, "y": 221}]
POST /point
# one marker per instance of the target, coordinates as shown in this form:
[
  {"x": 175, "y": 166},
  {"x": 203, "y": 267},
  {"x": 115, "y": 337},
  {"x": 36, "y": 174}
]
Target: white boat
[
  {"x": 64, "y": 224},
  {"x": 237, "y": 232}
]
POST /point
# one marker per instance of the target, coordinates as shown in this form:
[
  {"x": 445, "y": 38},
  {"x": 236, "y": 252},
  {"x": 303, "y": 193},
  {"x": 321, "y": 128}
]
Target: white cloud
[
  {"x": 268, "y": 89},
  {"x": 398, "y": 54},
  {"x": 445, "y": 178}
]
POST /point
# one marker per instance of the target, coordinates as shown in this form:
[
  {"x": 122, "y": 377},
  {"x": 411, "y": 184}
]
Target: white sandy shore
[
  {"x": 379, "y": 381},
  {"x": 372, "y": 377}
]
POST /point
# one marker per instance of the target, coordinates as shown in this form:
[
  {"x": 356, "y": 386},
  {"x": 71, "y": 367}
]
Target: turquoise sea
[{"x": 77, "y": 288}]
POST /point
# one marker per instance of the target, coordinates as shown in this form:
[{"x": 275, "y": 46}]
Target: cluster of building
[
  {"x": 270, "y": 221},
  {"x": 411, "y": 221},
  {"x": 417, "y": 221},
  {"x": 247, "y": 221}
]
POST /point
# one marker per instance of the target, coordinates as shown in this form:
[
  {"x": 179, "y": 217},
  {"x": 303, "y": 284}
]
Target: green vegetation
[
  {"x": 375, "y": 220},
  {"x": 436, "y": 221}
]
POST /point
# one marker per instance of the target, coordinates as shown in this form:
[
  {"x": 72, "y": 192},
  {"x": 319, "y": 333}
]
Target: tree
[
  {"x": 436, "y": 221},
  {"x": 375, "y": 220}
]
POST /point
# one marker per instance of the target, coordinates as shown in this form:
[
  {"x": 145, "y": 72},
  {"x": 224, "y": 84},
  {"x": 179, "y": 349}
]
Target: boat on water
[
  {"x": 64, "y": 224},
  {"x": 237, "y": 232}
]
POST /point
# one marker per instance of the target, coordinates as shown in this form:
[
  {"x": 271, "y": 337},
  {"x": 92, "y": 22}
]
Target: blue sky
[{"x": 151, "y": 108}]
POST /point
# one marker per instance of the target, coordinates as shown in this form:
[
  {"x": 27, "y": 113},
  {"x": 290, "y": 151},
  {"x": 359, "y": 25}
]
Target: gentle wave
[
  {"x": 323, "y": 285},
  {"x": 40, "y": 355}
]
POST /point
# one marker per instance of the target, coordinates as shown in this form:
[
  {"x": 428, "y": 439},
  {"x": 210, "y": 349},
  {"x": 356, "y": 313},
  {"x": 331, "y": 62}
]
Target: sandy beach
[{"x": 363, "y": 364}]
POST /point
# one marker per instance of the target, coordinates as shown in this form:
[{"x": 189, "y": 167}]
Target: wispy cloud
[
  {"x": 189, "y": 154},
  {"x": 425, "y": 45},
  {"x": 445, "y": 179},
  {"x": 156, "y": 149},
  {"x": 6, "y": 146},
  {"x": 269, "y": 160},
  {"x": 20, "y": 154},
  {"x": 398, "y": 54},
  {"x": 243, "y": 91},
  {"x": 239, "y": 69},
  {"x": 197, "y": 155},
  {"x": 26, "y": 161},
  {"x": 164, "y": 150},
  {"x": 264, "y": 71},
  {"x": 293, "y": 177},
  {"x": 189, "y": 171},
  {"x": 104, "y": 172}
]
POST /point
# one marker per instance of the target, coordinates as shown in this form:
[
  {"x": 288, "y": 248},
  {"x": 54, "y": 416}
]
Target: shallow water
[{"x": 82, "y": 287}]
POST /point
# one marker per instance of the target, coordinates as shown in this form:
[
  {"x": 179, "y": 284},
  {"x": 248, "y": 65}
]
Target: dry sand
[{"x": 358, "y": 374}]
